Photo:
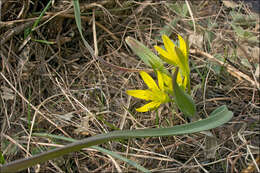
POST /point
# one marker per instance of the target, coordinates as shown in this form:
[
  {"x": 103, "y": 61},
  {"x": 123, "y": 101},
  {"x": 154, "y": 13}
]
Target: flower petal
[
  {"x": 141, "y": 94},
  {"x": 185, "y": 82},
  {"x": 179, "y": 79},
  {"x": 161, "y": 51},
  {"x": 149, "y": 81},
  {"x": 160, "y": 80},
  {"x": 183, "y": 47},
  {"x": 167, "y": 81},
  {"x": 165, "y": 56},
  {"x": 170, "y": 48},
  {"x": 169, "y": 45},
  {"x": 149, "y": 106},
  {"x": 184, "y": 65},
  {"x": 171, "y": 57}
]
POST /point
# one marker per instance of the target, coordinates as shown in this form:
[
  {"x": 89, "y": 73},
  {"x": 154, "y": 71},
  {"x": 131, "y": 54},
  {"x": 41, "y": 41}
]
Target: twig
[
  {"x": 8, "y": 34},
  {"x": 251, "y": 167},
  {"x": 137, "y": 11},
  {"x": 191, "y": 15},
  {"x": 39, "y": 112},
  {"x": 234, "y": 72}
]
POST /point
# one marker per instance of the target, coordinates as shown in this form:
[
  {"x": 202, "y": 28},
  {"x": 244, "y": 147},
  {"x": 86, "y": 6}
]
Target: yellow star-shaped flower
[
  {"x": 156, "y": 94},
  {"x": 177, "y": 56}
]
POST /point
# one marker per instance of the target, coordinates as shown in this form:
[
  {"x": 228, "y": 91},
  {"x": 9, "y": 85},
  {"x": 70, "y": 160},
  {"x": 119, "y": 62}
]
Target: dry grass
[{"x": 59, "y": 89}]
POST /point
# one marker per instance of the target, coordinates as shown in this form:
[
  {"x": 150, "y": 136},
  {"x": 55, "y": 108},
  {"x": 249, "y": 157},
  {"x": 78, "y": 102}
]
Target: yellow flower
[
  {"x": 157, "y": 95},
  {"x": 177, "y": 56}
]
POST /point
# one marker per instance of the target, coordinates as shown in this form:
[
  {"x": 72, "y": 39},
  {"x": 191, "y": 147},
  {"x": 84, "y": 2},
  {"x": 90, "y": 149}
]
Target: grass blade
[
  {"x": 41, "y": 15},
  {"x": 37, "y": 21},
  {"x": 78, "y": 22}
]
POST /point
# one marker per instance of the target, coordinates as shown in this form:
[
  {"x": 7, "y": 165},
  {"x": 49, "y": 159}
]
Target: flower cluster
[{"x": 159, "y": 94}]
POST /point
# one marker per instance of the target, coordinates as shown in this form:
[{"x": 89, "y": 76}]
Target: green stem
[{"x": 188, "y": 84}]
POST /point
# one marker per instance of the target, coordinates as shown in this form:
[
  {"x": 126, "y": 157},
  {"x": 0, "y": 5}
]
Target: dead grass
[{"x": 59, "y": 89}]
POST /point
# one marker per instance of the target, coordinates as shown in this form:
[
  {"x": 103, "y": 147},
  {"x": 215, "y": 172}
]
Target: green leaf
[
  {"x": 220, "y": 109},
  {"x": 182, "y": 99},
  {"x": 146, "y": 55},
  {"x": 43, "y": 41},
  {"x": 100, "y": 149},
  {"x": 2, "y": 159},
  {"x": 41, "y": 15},
  {"x": 217, "y": 118},
  {"x": 28, "y": 31},
  {"x": 78, "y": 22}
]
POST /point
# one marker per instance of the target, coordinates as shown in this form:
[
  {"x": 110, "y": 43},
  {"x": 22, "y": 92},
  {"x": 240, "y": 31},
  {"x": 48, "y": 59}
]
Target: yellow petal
[
  {"x": 161, "y": 51},
  {"x": 179, "y": 79},
  {"x": 183, "y": 64},
  {"x": 169, "y": 45},
  {"x": 165, "y": 56},
  {"x": 183, "y": 47},
  {"x": 168, "y": 81},
  {"x": 149, "y": 106},
  {"x": 170, "y": 48},
  {"x": 149, "y": 81},
  {"x": 160, "y": 96},
  {"x": 160, "y": 80},
  {"x": 141, "y": 94},
  {"x": 185, "y": 82}
]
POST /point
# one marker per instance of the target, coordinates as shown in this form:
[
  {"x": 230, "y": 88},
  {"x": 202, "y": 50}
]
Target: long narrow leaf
[
  {"x": 219, "y": 117},
  {"x": 100, "y": 149},
  {"x": 37, "y": 21},
  {"x": 78, "y": 22},
  {"x": 41, "y": 15}
]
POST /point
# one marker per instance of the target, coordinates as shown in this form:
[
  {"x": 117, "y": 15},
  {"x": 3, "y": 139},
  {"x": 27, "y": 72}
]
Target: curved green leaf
[
  {"x": 219, "y": 117},
  {"x": 78, "y": 23},
  {"x": 182, "y": 99},
  {"x": 100, "y": 149}
]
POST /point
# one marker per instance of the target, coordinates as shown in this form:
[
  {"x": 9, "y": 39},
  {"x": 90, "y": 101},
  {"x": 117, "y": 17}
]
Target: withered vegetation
[{"x": 51, "y": 84}]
